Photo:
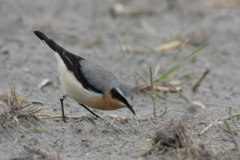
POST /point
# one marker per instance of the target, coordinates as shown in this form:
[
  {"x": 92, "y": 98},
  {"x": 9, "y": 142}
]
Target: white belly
[{"x": 74, "y": 88}]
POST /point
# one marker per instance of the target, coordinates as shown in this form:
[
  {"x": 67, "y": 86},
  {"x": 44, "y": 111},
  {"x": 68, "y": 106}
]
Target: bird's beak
[{"x": 131, "y": 109}]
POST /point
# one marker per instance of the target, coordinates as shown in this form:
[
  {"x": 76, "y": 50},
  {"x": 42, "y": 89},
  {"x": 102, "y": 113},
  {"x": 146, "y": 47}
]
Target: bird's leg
[
  {"x": 61, "y": 101},
  {"x": 90, "y": 111}
]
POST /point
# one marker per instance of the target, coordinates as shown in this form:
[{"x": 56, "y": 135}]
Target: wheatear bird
[{"x": 87, "y": 83}]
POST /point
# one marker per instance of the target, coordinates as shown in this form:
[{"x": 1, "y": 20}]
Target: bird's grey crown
[
  {"x": 103, "y": 79},
  {"x": 121, "y": 87}
]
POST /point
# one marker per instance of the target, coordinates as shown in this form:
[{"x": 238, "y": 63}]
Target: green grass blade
[
  {"x": 178, "y": 65},
  {"x": 186, "y": 58},
  {"x": 222, "y": 155},
  {"x": 228, "y": 125},
  {"x": 151, "y": 80},
  {"x": 179, "y": 50},
  {"x": 36, "y": 130},
  {"x": 152, "y": 95},
  {"x": 164, "y": 75}
]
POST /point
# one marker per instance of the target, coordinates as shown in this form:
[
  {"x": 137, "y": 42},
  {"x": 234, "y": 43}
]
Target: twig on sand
[
  {"x": 167, "y": 46},
  {"x": 158, "y": 95},
  {"x": 112, "y": 122},
  {"x": 7, "y": 131},
  {"x": 37, "y": 102},
  {"x": 118, "y": 118},
  {"x": 114, "y": 126},
  {"x": 85, "y": 135},
  {"x": 143, "y": 119},
  {"x": 11, "y": 145},
  {"x": 163, "y": 112},
  {"x": 60, "y": 116},
  {"x": 79, "y": 120},
  {"x": 230, "y": 116},
  {"x": 209, "y": 126},
  {"x": 43, "y": 83},
  {"x": 196, "y": 85}
]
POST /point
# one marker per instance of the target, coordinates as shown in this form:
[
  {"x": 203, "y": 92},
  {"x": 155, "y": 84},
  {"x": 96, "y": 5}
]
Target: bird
[{"x": 88, "y": 84}]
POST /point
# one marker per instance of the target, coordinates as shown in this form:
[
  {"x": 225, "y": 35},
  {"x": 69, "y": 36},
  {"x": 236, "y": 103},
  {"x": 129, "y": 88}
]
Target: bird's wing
[
  {"x": 96, "y": 75},
  {"x": 100, "y": 78},
  {"x": 72, "y": 62}
]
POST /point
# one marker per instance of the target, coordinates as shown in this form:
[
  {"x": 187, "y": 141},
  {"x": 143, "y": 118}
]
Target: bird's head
[{"x": 122, "y": 93}]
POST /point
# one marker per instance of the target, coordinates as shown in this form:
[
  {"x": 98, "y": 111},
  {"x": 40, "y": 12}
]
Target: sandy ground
[{"x": 89, "y": 29}]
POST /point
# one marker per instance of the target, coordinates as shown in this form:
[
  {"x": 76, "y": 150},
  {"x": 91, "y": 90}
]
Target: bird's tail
[{"x": 51, "y": 43}]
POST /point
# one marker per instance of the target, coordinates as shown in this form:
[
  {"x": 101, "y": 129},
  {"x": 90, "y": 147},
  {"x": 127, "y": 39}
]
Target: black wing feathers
[{"x": 72, "y": 61}]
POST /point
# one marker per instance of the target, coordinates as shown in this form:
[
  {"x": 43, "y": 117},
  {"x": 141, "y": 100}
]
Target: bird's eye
[{"x": 116, "y": 95}]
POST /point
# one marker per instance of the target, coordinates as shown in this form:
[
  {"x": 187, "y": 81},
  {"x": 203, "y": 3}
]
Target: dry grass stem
[
  {"x": 16, "y": 140},
  {"x": 37, "y": 102},
  {"x": 58, "y": 116},
  {"x": 84, "y": 135},
  {"x": 16, "y": 105},
  {"x": 120, "y": 10},
  {"x": 236, "y": 114},
  {"x": 43, "y": 83},
  {"x": 118, "y": 118},
  {"x": 162, "y": 88},
  {"x": 158, "y": 95},
  {"x": 175, "y": 83},
  {"x": 196, "y": 85},
  {"x": 199, "y": 104},
  {"x": 209, "y": 126},
  {"x": 167, "y": 46}
]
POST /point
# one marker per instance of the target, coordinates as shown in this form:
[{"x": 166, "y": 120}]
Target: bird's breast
[{"x": 106, "y": 102}]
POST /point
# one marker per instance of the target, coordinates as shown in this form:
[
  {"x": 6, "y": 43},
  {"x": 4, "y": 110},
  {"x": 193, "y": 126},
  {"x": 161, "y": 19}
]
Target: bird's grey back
[
  {"x": 96, "y": 75},
  {"x": 103, "y": 79}
]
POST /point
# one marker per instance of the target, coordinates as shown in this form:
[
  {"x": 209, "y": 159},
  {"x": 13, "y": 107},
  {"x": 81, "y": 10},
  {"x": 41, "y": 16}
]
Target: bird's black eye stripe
[{"x": 116, "y": 95}]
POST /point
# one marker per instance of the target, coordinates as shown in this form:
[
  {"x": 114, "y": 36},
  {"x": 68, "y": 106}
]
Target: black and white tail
[
  {"x": 60, "y": 53},
  {"x": 53, "y": 45}
]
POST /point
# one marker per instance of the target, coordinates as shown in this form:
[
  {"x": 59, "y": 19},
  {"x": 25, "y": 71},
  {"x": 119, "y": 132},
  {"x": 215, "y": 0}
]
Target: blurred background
[
  {"x": 97, "y": 29},
  {"x": 126, "y": 37}
]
